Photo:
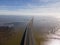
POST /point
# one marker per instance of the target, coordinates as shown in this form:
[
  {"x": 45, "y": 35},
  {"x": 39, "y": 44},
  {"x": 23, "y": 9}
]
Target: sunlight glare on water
[
  {"x": 53, "y": 42},
  {"x": 53, "y": 39}
]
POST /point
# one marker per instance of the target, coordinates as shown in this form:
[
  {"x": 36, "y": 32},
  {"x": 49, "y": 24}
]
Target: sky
[{"x": 30, "y": 7}]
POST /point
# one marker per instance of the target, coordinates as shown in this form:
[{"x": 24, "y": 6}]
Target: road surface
[{"x": 28, "y": 38}]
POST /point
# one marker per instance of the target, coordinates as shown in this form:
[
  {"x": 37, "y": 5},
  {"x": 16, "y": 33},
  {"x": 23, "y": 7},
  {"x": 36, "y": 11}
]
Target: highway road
[
  {"x": 28, "y": 38},
  {"x": 48, "y": 39}
]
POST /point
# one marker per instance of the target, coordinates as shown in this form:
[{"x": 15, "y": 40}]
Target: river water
[{"x": 46, "y": 30}]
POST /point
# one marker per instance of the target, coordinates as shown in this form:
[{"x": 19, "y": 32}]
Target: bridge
[{"x": 28, "y": 38}]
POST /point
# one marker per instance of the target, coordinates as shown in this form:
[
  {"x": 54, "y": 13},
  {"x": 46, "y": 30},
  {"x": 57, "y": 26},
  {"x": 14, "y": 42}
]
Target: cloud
[
  {"x": 34, "y": 11},
  {"x": 44, "y": 0},
  {"x": 49, "y": 1},
  {"x": 52, "y": 9}
]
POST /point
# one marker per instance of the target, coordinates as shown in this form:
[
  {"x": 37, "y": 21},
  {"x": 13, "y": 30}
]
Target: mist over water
[
  {"x": 47, "y": 30},
  {"x": 15, "y": 26},
  {"x": 12, "y": 29},
  {"x": 42, "y": 24},
  {"x": 45, "y": 23},
  {"x": 16, "y": 20}
]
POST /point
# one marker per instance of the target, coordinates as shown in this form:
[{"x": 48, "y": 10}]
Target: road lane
[{"x": 28, "y": 38}]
